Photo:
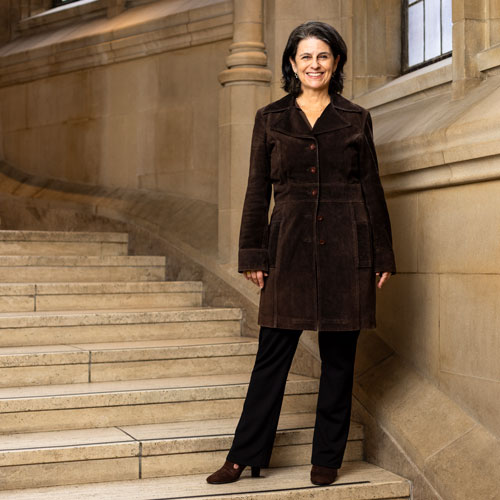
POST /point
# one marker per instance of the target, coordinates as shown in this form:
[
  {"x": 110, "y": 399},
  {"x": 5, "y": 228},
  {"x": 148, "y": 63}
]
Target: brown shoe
[
  {"x": 323, "y": 475},
  {"x": 228, "y": 474}
]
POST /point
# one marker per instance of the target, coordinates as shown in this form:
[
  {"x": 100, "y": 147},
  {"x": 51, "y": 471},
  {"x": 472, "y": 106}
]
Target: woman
[{"x": 317, "y": 260}]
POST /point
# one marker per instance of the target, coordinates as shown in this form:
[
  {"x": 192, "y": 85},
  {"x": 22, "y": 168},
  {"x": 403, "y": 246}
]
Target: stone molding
[
  {"x": 442, "y": 176},
  {"x": 489, "y": 58},
  {"x": 458, "y": 145},
  {"x": 247, "y": 60},
  {"x": 428, "y": 77},
  {"x": 63, "y": 14},
  {"x": 105, "y": 41}
]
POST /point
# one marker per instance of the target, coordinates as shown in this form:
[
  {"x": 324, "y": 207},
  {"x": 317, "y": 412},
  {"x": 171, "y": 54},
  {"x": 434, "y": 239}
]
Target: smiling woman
[{"x": 317, "y": 259}]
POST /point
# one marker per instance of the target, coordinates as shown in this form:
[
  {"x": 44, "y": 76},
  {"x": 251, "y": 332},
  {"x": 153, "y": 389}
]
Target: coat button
[
  {"x": 320, "y": 217},
  {"x": 322, "y": 242},
  {"x": 314, "y": 192},
  {"x": 312, "y": 170},
  {"x": 312, "y": 146}
]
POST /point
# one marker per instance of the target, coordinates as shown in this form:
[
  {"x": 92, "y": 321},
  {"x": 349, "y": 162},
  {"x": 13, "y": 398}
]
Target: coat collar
[{"x": 293, "y": 122}]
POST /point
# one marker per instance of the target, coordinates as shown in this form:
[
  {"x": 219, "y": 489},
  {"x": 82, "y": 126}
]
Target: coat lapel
[{"x": 293, "y": 123}]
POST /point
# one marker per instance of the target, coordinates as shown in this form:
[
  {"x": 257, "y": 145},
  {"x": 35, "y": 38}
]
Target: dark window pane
[{"x": 57, "y": 3}]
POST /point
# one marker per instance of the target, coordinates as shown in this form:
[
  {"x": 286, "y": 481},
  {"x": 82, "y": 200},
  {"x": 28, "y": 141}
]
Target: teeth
[{"x": 314, "y": 74}]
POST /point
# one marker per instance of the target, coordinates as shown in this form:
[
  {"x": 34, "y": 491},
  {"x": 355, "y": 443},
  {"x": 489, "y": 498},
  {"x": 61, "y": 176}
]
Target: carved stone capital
[
  {"x": 247, "y": 61},
  {"x": 245, "y": 75}
]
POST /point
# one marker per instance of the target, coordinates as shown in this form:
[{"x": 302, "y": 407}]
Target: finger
[
  {"x": 382, "y": 280},
  {"x": 254, "y": 278},
  {"x": 260, "y": 279}
]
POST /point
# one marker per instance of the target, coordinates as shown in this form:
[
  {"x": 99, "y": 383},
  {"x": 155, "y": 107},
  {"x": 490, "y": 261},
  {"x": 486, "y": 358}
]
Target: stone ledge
[
  {"x": 489, "y": 58},
  {"x": 63, "y": 13},
  {"x": 441, "y": 176},
  {"x": 434, "y": 75},
  {"x": 436, "y": 131},
  {"x": 135, "y": 33}
]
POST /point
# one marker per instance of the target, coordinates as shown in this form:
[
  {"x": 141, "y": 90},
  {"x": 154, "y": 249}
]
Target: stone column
[
  {"x": 470, "y": 36},
  {"x": 245, "y": 88}
]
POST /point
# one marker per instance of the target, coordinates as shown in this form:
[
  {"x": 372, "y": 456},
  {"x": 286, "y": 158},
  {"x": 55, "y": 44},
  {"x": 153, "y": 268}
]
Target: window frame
[{"x": 405, "y": 68}]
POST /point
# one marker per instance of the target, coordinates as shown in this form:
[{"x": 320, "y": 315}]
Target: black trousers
[{"x": 256, "y": 430}]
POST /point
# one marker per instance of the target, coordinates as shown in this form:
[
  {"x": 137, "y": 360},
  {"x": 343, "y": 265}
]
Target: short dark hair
[{"x": 321, "y": 31}]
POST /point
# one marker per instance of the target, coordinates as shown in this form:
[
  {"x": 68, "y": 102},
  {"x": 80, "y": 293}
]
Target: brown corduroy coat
[{"x": 329, "y": 231}]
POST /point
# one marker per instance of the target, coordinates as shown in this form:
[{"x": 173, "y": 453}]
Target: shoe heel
[{"x": 255, "y": 471}]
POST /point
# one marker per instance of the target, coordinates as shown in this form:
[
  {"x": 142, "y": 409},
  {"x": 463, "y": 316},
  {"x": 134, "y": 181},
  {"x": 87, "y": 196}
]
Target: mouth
[{"x": 315, "y": 74}]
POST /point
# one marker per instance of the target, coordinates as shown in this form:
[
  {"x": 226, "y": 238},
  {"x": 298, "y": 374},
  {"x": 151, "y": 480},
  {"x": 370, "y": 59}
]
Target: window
[
  {"x": 57, "y": 3},
  {"x": 426, "y": 33}
]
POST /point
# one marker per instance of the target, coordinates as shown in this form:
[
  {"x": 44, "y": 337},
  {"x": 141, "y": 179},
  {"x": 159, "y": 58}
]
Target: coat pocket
[
  {"x": 274, "y": 229},
  {"x": 365, "y": 247}
]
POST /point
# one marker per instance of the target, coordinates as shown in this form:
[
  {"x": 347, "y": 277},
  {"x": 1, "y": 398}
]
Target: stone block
[
  {"x": 408, "y": 319},
  {"x": 65, "y": 473},
  {"x": 469, "y": 305},
  {"x": 371, "y": 350},
  {"x": 403, "y": 212},
  {"x": 478, "y": 453},
  {"x": 170, "y": 368},
  {"x": 129, "y": 87},
  {"x": 13, "y": 108},
  {"x": 76, "y": 302},
  {"x": 301, "y": 11},
  {"x": 57, "y": 99},
  {"x": 43, "y": 375},
  {"x": 480, "y": 397},
  {"x": 391, "y": 392},
  {"x": 456, "y": 229}
]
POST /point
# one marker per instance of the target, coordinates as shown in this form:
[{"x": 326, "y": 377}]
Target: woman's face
[{"x": 314, "y": 64}]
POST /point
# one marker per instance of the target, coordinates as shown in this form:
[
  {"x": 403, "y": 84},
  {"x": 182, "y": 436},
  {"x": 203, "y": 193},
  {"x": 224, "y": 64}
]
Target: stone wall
[{"x": 143, "y": 122}]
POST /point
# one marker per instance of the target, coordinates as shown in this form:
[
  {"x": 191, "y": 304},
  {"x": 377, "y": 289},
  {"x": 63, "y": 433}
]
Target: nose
[{"x": 315, "y": 62}]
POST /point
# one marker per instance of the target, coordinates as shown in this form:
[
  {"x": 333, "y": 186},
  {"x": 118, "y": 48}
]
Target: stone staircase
[{"x": 115, "y": 384}]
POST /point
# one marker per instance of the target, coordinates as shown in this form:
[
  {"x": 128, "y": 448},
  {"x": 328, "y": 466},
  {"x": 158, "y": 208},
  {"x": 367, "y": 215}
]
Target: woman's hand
[
  {"x": 383, "y": 279},
  {"x": 256, "y": 276}
]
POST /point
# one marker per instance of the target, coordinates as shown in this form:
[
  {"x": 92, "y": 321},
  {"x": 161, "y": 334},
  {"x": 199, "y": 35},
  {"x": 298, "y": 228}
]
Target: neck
[{"x": 314, "y": 97}]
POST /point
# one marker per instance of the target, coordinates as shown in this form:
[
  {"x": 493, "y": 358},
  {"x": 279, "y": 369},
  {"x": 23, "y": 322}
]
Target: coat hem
[{"x": 290, "y": 324}]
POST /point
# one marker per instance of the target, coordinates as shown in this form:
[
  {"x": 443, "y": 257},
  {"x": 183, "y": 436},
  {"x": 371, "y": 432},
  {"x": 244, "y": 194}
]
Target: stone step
[
  {"x": 134, "y": 402},
  {"x": 25, "y": 297},
  {"x": 35, "y": 269},
  {"x": 62, "y": 243},
  {"x": 69, "y": 364},
  {"x": 114, "y": 454},
  {"x": 70, "y": 327},
  {"x": 356, "y": 481}
]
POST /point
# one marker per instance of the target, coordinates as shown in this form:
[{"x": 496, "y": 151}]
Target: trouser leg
[
  {"x": 256, "y": 430},
  {"x": 333, "y": 412}
]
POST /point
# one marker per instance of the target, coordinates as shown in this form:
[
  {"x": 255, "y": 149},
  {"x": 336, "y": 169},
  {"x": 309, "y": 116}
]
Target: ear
[
  {"x": 336, "y": 62},
  {"x": 294, "y": 67}
]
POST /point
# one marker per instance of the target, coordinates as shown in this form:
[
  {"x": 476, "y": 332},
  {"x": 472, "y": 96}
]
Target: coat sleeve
[
  {"x": 375, "y": 202},
  {"x": 253, "y": 251}
]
